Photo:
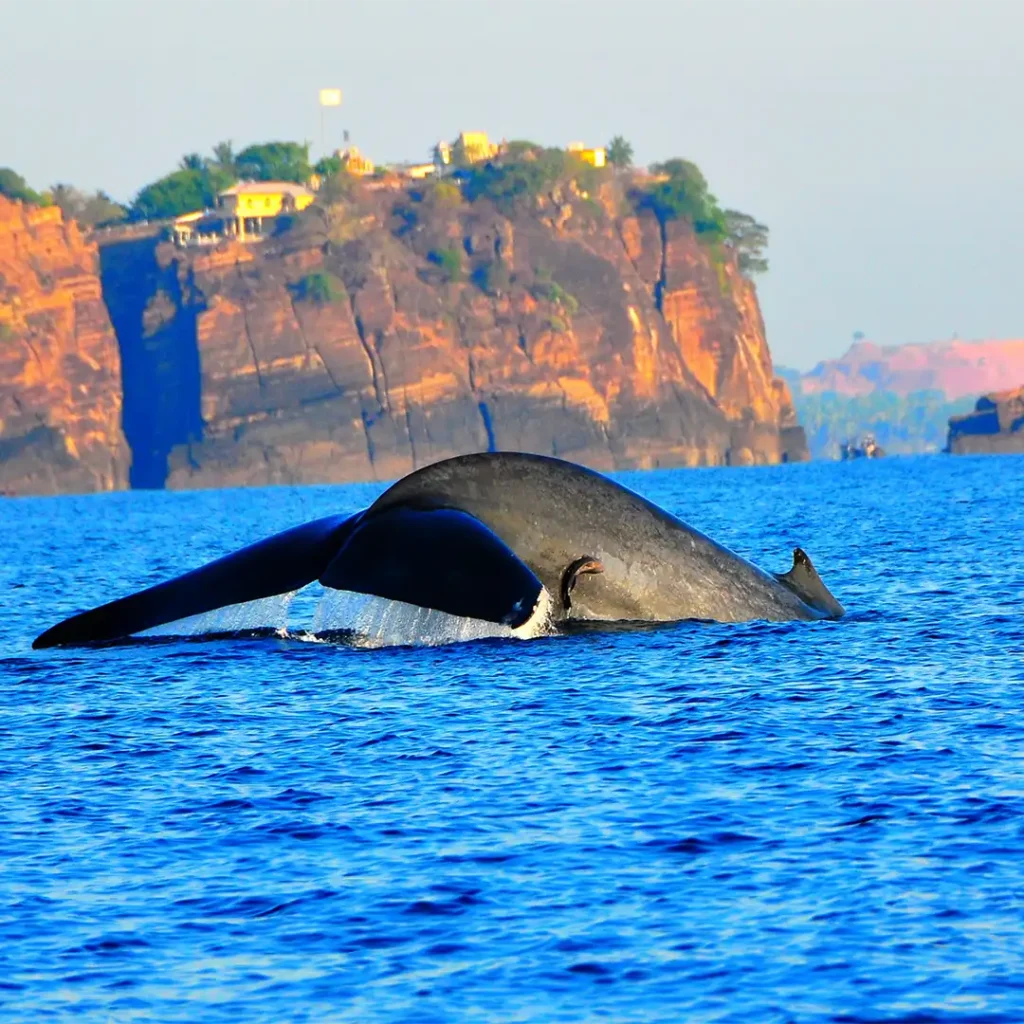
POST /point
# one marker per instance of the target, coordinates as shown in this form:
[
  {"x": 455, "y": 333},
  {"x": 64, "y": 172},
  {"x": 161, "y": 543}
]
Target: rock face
[
  {"x": 60, "y": 371},
  {"x": 957, "y": 369},
  {"x": 995, "y": 426},
  {"x": 400, "y": 327}
]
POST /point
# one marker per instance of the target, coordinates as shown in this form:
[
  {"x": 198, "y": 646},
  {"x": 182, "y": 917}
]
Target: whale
[{"x": 530, "y": 542}]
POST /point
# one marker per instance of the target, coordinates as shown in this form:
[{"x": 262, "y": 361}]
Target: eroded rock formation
[
  {"x": 995, "y": 426},
  {"x": 60, "y": 371},
  {"x": 396, "y": 329}
]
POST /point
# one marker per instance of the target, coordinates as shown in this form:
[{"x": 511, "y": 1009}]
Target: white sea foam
[
  {"x": 366, "y": 621},
  {"x": 375, "y": 622},
  {"x": 266, "y": 613}
]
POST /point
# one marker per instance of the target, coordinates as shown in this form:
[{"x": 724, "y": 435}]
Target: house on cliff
[
  {"x": 242, "y": 212},
  {"x": 596, "y": 156}
]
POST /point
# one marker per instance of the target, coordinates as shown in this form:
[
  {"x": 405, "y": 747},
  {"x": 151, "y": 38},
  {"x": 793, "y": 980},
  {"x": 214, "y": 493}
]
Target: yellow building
[
  {"x": 355, "y": 162},
  {"x": 241, "y": 212},
  {"x": 244, "y": 206},
  {"x": 593, "y": 155},
  {"x": 418, "y": 171},
  {"x": 474, "y": 147}
]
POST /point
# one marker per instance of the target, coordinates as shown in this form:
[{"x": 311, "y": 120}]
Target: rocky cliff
[
  {"x": 396, "y": 326},
  {"x": 995, "y": 426},
  {"x": 60, "y": 375}
]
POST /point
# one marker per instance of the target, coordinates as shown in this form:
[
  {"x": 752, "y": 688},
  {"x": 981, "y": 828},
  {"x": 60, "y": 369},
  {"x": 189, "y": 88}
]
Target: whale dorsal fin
[{"x": 804, "y": 581}]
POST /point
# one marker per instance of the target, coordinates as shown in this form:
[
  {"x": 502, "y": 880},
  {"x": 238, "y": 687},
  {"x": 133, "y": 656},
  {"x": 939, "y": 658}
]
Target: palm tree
[
  {"x": 224, "y": 154},
  {"x": 192, "y": 162},
  {"x": 620, "y": 152}
]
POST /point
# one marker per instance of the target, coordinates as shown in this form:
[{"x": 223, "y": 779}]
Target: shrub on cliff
[
  {"x": 14, "y": 186},
  {"x": 546, "y": 288},
  {"x": 492, "y": 278},
  {"x": 89, "y": 210},
  {"x": 320, "y": 287},
  {"x": 450, "y": 262},
  {"x": 512, "y": 182}
]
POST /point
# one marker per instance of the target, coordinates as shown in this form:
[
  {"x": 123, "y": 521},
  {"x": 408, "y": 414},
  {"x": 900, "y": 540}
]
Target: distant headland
[{"x": 903, "y": 395}]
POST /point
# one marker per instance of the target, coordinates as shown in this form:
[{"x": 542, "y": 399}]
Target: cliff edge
[{"x": 60, "y": 371}]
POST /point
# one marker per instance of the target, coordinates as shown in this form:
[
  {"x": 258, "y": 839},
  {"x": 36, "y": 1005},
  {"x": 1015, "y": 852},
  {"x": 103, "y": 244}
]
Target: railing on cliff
[{"x": 128, "y": 232}]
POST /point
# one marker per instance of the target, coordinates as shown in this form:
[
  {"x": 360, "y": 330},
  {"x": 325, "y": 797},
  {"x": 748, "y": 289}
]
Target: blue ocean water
[{"x": 759, "y": 822}]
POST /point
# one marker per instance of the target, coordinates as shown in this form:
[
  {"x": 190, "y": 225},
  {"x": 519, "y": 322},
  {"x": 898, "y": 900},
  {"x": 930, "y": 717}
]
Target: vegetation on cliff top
[
  {"x": 516, "y": 179},
  {"x": 681, "y": 192},
  {"x": 525, "y": 173},
  {"x": 89, "y": 209},
  {"x": 14, "y": 186},
  {"x": 196, "y": 183}
]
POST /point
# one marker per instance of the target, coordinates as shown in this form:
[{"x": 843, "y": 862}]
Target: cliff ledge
[{"x": 60, "y": 370}]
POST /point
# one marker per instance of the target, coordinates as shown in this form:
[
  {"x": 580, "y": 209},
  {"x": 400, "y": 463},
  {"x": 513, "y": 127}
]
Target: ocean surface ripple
[{"x": 758, "y": 822}]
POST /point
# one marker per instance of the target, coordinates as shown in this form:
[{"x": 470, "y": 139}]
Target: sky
[{"x": 880, "y": 140}]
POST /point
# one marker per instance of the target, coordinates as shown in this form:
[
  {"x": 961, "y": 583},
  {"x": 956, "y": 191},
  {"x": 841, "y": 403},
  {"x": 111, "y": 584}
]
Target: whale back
[{"x": 551, "y": 513}]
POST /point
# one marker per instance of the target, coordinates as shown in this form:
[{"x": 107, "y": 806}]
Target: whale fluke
[
  {"x": 273, "y": 566},
  {"x": 804, "y": 581},
  {"x": 436, "y": 558}
]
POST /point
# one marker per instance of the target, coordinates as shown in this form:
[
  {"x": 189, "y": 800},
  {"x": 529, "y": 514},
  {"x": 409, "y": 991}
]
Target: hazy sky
[{"x": 880, "y": 140}]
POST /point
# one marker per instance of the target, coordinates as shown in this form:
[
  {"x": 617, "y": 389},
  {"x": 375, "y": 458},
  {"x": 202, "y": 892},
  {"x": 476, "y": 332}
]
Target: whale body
[{"x": 502, "y": 536}]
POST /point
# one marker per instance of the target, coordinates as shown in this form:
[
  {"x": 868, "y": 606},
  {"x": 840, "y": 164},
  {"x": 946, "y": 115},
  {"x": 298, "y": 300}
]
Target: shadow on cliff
[{"x": 160, "y": 370}]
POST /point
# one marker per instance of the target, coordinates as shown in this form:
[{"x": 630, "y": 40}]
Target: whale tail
[
  {"x": 273, "y": 566},
  {"x": 804, "y": 581},
  {"x": 440, "y": 558}
]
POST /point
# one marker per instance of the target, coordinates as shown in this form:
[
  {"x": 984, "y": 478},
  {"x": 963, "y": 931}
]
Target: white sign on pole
[{"x": 330, "y": 97}]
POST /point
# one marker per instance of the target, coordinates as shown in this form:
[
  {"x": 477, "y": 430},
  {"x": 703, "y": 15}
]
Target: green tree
[
  {"x": 14, "y": 186},
  {"x": 88, "y": 209},
  {"x": 179, "y": 192},
  {"x": 620, "y": 152},
  {"x": 749, "y": 239},
  {"x": 192, "y": 162},
  {"x": 275, "y": 161},
  {"x": 683, "y": 194},
  {"x": 328, "y": 166}
]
